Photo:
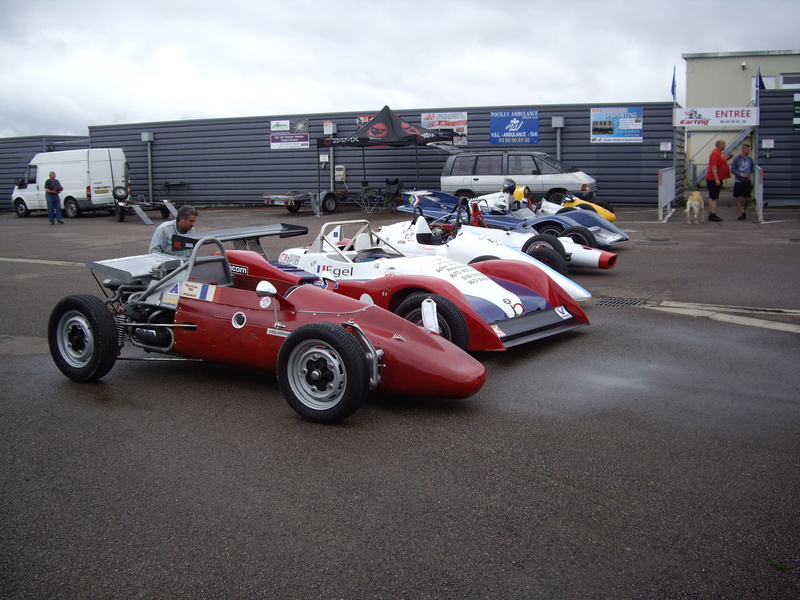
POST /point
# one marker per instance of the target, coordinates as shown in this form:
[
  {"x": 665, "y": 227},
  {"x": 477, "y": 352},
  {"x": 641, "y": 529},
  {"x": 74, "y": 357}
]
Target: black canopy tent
[{"x": 387, "y": 129}]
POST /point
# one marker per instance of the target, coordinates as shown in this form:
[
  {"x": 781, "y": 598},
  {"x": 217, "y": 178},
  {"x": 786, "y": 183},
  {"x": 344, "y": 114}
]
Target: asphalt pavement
[{"x": 653, "y": 454}]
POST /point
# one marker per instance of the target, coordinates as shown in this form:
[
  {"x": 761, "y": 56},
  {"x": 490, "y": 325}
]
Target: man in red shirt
[{"x": 718, "y": 171}]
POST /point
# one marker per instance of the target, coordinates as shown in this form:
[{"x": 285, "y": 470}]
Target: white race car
[
  {"x": 490, "y": 305},
  {"x": 463, "y": 237}
]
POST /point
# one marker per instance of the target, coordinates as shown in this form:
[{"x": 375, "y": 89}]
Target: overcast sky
[{"x": 69, "y": 64}]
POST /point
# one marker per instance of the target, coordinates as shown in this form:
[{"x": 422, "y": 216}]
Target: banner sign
[
  {"x": 453, "y": 121},
  {"x": 746, "y": 116},
  {"x": 514, "y": 127},
  {"x": 796, "y": 117},
  {"x": 617, "y": 125},
  {"x": 288, "y": 134}
]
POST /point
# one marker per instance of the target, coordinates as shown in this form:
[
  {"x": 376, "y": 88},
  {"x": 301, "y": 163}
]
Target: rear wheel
[
  {"x": 21, "y": 209},
  {"x": 71, "y": 208},
  {"x": 544, "y": 240},
  {"x": 605, "y": 205},
  {"x": 452, "y": 324},
  {"x": 580, "y": 235},
  {"x": 468, "y": 194},
  {"x": 82, "y": 337},
  {"x": 323, "y": 372},
  {"x": 556, "y": 196}
]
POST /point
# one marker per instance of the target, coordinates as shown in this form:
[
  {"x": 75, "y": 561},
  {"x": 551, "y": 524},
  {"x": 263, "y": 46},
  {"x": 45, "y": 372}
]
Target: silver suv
[{"x": 473, "y": 174}]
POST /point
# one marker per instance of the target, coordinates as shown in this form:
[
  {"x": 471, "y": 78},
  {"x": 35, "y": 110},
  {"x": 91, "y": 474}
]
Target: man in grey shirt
[{"x": 182, "y": 224}]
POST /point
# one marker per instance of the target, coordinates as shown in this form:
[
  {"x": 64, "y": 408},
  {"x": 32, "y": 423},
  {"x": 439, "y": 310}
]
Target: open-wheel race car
[
  {"x": 328, "y": 350},
  {"x": 502, "y": 210},
  {"x": 463, "y": 235},
  {"x": 487, "y": 305}
]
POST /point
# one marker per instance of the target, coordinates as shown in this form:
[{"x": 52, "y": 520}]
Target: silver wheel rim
[
  {"x": 75, "y": 339},
  {"x": 317, "y": 375}
]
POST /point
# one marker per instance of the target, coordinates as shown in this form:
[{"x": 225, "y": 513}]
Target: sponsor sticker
[
  {"x": 278, "y": 332},
  {"x": 498, "y": 332},
  {"x": 170, "y": 297},
  {"x": 199, "y": 291},
  {"x": 563, "y": 312}
]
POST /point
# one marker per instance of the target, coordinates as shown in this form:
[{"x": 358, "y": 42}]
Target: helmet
[{"x": 509, "y": 185}]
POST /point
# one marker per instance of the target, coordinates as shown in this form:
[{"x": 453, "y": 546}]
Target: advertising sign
[
  {"x": 746, "y": 116},
  {"x": 514, "y": 127},
  {"x": 617, "y": 125},
  {"x": 451, "y": 121},
  {"x": 288, "y": 134},
  {"x": 796, "y": 117}
]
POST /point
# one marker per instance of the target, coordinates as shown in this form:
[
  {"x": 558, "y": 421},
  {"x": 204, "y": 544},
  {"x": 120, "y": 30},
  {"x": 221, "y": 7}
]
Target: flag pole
[{"x": 756, "y": 174}]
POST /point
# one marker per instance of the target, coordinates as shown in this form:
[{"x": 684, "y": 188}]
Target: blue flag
[
  {"x": 759, "y": 80},
  {"x": 673, "y": 84}
]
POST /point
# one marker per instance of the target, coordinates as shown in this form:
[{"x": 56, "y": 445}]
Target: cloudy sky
[{"x": 69, "y": 64}]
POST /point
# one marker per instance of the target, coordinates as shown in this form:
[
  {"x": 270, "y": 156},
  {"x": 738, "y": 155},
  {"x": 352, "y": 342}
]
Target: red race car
[{"x": 329, "y": 351}]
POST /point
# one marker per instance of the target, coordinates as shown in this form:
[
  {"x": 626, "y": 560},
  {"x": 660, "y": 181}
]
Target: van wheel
[
  {"x": 21, "y": 209},
  {"x": 71, "y": 209},
  {"x": 120, "y": 193}
]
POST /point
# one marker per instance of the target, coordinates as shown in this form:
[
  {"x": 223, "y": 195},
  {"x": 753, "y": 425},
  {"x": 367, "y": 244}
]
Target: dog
[{"x": 694, "y": 204}]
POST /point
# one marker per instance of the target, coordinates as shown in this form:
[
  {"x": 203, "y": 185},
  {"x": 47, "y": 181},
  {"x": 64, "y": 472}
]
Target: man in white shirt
[{"x": 182, "y": 224}]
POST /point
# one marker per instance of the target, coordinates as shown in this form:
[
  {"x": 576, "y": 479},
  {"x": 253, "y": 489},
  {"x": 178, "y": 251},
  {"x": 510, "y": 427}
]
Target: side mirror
[{"x": 265, "y": 288}]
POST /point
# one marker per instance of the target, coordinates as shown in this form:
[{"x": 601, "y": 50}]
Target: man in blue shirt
[{"x": 742, "y": 168}]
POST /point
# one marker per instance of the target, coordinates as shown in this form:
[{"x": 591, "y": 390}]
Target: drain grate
[{"x": 618, "y": 302}]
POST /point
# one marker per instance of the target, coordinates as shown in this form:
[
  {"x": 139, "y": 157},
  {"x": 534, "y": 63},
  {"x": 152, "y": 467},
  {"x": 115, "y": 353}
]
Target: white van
[{"x": 92, "y": 179}]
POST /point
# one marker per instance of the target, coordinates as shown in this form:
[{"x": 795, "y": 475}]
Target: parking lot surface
[{"x": 653, "y": 454}]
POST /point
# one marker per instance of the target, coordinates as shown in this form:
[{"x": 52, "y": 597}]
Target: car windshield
[{"x": 549, "y": 165}]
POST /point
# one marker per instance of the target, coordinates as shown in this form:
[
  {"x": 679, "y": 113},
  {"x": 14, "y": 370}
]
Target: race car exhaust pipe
[
  {"x": 429, "y": 318},
  {"x": 583, "y": 256}
]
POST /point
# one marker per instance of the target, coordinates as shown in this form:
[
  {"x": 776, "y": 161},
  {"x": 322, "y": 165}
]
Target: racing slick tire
[
  {"x": 452, "y": 324},
  {"x": 482, "y": 258},
  {"x": 550, "y": 228},
  {"x": 323, "y": 372},
  {"x": 605, "y": 205},
  {"x": 551, "y": 258},
  {"x": 21, "y": 209},
  {"x": 82, "y": 337},
  {"x": 580, "y": 235},
  {"x": 546, "y": 241},
  {"x": 71, "y": 209}
]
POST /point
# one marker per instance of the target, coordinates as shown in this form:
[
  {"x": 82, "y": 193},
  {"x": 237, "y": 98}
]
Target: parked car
[{"x": 471, "y": 174}]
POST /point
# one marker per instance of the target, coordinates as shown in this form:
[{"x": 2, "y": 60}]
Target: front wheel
[
  {"x": 551, "y": 258},
  {"x": 556, "y": 197},
  {"x": 452, "y": 324},
  {"x": 549, "y": 228},
  {"x": 580, "y": 235},
  {"x": 21, "y": 209},
  {"x": 82, "y": 337},
  {"x": 323, "y": 372},
  {"x": 120, "y": 212},
  {"x": 71, "y": 209}
]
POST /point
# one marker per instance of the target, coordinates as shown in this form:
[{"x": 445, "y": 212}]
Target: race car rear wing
[{"x": 243, "y": 238}]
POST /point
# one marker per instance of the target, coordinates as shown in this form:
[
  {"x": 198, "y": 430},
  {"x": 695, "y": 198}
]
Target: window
[
  {"x": 462, "y": 165},
  {"x": 522, "y": 164},
  {"x": 491, "y": 164},
  {"x": 789, "y": 81}
]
